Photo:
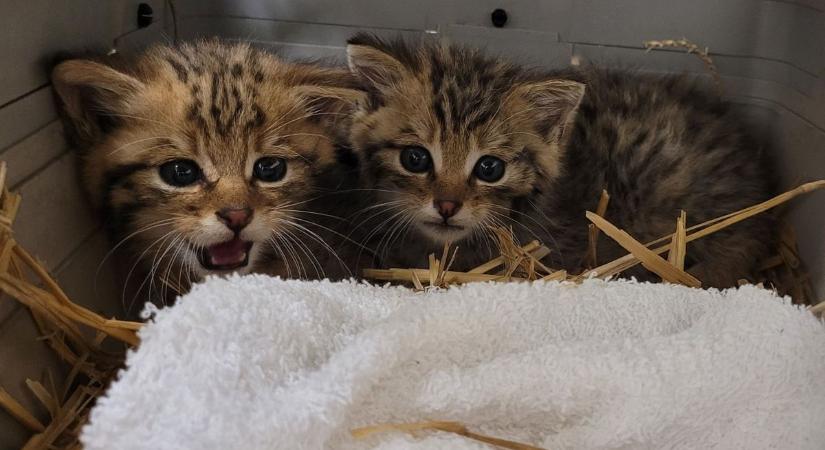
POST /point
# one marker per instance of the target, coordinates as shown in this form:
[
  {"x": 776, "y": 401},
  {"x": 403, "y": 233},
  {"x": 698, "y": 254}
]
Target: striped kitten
[
  {"x": 209, "y": 158},
  {"x": 453, "y": 141}
]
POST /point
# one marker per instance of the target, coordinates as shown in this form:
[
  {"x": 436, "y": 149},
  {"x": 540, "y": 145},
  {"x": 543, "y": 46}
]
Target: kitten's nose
[
  {"x": 235, "y": 218},
  {"x": 447, "y": 208}
]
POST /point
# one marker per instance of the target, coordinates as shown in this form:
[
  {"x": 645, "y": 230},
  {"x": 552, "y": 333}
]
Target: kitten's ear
[
  {"x": 330, "y": 99},
  {"x": 91, "y": 94},
  {"x": 374, "y": 67},
  {"x": 552, "y": 105}
]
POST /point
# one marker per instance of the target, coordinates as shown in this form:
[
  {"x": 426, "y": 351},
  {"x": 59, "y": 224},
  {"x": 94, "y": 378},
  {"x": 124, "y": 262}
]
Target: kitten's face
[
  {"x": 450, "y": 139},
  {"x": 203, "y": 157}
]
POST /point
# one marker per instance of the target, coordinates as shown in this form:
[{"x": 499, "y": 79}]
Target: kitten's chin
[{"x": 441, "y": 233}]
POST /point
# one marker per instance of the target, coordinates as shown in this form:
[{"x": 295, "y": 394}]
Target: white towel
[{"x": 260, "y": 363}]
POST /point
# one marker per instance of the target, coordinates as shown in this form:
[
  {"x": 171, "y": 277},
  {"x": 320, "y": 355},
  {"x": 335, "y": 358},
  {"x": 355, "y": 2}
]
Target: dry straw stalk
[
  {"x": 702, "y": 53},
  {"x": 76, "y": 334},
  {"x": 449, "y": 427},
  {"x": 522, "y": 264}
]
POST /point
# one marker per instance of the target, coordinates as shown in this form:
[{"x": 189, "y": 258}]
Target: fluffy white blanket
[{"x": 262, "y": 363}]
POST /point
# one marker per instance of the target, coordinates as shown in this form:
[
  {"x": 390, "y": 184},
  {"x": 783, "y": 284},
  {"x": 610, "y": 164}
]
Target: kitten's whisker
[
  {"x": 303, "y": 202},
  {"x": 314, "y": 213},
  {"x": 138, "y": 261},
  {"x": 493, "y": 208},
  {"x": 481, "y": 231},
  {"x": 156, "y": 262},
  {"x": 546, "y": 232},
  {"x": 172, "y": 261},
  {"x": 401, "y": 225},
  {"x": 313, "y": 260},
  {"x": 382, "y": 208},
  {"x": 378, "y": 205},
  {"x": 389, "y": 191},
  {"x": 516, "y": 222},
  {"x": 405, "y": 226},
  {"x": 408, "y": 228},
  {"x": 290, "y": 247},
  {"x": 378, "y": 229},
  {"x": 290, "y": 253},
  {"x": 381, "y": 247},
  {"x": 108, "y": 254},
  {"x": 274, "y": 242},
  {"x": 550, "y": 235},
  {"x": 392, "y": 222},
  {"x": 314, "y": 236},
  {"x": 299, "y": 242},
  {"x": 183, "y": 265},
  {"x": 330, "y": 230}
]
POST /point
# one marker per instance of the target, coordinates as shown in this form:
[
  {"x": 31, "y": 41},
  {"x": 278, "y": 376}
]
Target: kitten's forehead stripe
[
  {"x": 181, "y": 71},
  {"x": 231, "y": 90}
]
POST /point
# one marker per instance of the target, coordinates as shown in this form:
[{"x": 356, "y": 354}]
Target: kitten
[
  {"x": 210, "y": 158},
  {"x": 453, "y": 141}
]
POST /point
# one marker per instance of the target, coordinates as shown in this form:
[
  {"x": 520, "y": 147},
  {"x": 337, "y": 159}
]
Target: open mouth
[{"x": 229, "y": 255}]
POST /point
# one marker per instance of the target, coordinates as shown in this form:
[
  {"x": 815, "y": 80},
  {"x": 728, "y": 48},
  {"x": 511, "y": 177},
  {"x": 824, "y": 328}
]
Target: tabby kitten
[
  {"x": 453, "y": 141},
  {"x": 210, "y": 158}
]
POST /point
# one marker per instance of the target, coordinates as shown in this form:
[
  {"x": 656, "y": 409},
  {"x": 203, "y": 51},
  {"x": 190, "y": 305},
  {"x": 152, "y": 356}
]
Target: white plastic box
[{"x": 770, "y": 54}]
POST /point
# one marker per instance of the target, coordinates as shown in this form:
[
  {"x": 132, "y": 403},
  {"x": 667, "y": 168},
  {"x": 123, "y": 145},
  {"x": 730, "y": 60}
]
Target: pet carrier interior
[{"x": 770, "y": 56}]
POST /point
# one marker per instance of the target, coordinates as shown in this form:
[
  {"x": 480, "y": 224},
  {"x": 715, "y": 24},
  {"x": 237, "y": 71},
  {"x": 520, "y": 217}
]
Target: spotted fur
[
  {"x": 223, "y": 106},
  {"x": 658, "y": 144}
]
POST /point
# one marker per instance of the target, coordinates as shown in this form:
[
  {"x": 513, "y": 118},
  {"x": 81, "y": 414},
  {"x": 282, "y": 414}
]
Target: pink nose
[
  {"x": 235, "y": 219},
  {"x": 447, "y": 208}
]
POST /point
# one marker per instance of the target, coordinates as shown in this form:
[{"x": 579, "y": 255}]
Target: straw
[
  {"x": 449, "y": 427},
  {"x": 523, "y": 263}
]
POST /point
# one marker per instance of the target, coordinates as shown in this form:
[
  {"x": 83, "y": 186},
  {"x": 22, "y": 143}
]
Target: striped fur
[
  {"x": 658, "y": 144},
  {"x": 222, "y": 106}
]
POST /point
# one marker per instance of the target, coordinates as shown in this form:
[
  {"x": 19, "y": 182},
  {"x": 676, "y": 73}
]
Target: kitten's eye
[
  {"x": 416, "y": 159},
  {"x": 180, "y": 172},
  {"x": 269, "y": 169},
  {"x": 489, "y": 169}
]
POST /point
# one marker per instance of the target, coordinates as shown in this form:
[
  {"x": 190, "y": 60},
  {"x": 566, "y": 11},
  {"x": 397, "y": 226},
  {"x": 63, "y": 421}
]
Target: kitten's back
[{"x": 664, "y": 143}]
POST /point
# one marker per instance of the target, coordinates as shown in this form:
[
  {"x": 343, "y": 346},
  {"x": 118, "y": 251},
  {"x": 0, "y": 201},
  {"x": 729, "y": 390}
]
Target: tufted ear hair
[
  {"x": 378, "y": 64},
  {"x": 552, "y": 106},
  {"x": 91, "y": 95}
]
